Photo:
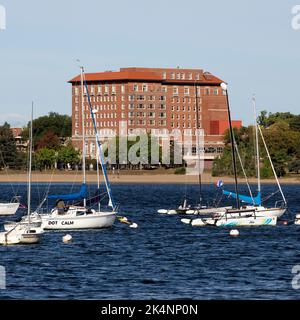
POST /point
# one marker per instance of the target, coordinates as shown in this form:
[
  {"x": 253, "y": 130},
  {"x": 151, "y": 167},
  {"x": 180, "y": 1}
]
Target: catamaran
[{"x": 240, "y": 216}]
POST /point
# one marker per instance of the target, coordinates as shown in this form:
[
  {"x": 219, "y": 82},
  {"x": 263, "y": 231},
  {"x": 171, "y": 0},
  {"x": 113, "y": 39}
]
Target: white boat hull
[
  {"x": 93, "y": 221},
  {"x": 268, "y": 212},
  {"x": 8, "y": 209},
  {"x": 232, "y": 222},
  {"x": 194, "y": 211}
]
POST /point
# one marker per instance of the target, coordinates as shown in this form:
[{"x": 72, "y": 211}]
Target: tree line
[{"x": 281, "y": 131}]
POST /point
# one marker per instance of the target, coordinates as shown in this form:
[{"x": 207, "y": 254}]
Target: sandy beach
[{"x": 130, "y": 177}]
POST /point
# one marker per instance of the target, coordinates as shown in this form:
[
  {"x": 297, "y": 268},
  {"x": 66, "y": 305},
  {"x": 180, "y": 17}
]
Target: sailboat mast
[
  {"x": 257, "y": 146},
  {"x": 198, "y": 146},
  {"x": 83, "y": 131},
  {"x": 97, "y": 163},
  {"x": 29, "y": 169},
  {"x": 224, "y": 87}
]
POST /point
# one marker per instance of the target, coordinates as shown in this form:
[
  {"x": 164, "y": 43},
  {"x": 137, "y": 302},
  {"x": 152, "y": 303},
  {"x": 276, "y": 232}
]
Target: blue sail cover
[
  {"x": 73, "y": 196},
  {"x": 255, "y": 201}
]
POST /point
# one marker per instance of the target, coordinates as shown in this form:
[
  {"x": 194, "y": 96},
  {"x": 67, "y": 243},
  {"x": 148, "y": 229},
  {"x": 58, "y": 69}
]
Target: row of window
[{"x": 111, "y": 90}]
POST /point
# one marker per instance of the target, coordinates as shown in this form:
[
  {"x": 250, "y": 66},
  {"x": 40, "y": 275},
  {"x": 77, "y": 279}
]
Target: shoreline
[{"x": 137, "y": 178}]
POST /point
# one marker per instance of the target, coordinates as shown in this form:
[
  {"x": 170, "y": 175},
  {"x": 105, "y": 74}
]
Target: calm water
[{"x": 162, "y": 259}]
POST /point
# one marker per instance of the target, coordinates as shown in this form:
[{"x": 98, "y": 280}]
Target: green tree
[
  {"x": 68, "y": 155},
  {"x": 45, "y": 158},
  {"x": 9, "y": 154},
  {"x": 59, "y": 125}
]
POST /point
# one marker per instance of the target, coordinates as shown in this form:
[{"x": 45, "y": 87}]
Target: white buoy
[
  {"x": 67, "y": 238},
  {"x": 297, "y": 220},
  {"x": 133, "y": 225},
  {"x": 234, "y": 232}
]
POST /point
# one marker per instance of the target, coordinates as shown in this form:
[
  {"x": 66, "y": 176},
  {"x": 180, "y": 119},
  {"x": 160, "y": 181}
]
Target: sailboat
[
  {"x": 239, "y": 216},
  {"x": 73, "y": 217},
  {"x": 10, "y": 208},
  {"x": 200, "y": 208},
  {"x": 24, "y": 233},
  {"x": 256, "y": 202}
]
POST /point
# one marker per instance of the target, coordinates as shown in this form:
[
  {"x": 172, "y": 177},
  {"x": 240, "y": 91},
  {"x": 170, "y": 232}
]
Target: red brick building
[{"x": 152, "y": 98}]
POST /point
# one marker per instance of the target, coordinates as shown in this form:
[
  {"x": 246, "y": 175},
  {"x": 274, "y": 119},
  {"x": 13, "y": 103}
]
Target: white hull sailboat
[
  {"x": 9, "y": 209},
  {"x": 241, "y": 216},
  {"x": 23, "y": 233},
  {"x": 82, "y": 217},
  {"x": 78, "y": 218}
]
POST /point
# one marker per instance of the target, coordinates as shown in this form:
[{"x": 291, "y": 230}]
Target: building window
[
  {"x": 162, "y": 114},
  {"x": 175, "y": 90},
  {"x": 162, "y": 98},
  {"x": 135, "y": 87},
  {"x": 216, "y": 91},
  {"x": 182, "y": 76},
  {"x": 141, "y": 98},
  {"x": 190, "y": 76},
  {"x": 178, "y": 76},
  {"x": 197, "y": 77},
  {"x": 151, "y": 98},
  {"x": 151, "y": 114},
  {"x": 172, "y": 75},
  {"x": 162, "y": 107},
  {"x": 144, "y": 88},
  {"x": 76, "y": 91},
  {"x": 164, "y": 75},
  {"x": 131, "y": 97},
  {"x": 207, "y": 91},
  {"x": 123, "y": 88},
  {"x": 130, "y": 114},
  {"x": 113, "y": 89},
  {"x": 164, "y": 89},
  {"x": 131, "y": 106},
  {"x": 186, "y": 90},
  {"x": 151, "y": 106},
  {"x": 106, "y": 89}
]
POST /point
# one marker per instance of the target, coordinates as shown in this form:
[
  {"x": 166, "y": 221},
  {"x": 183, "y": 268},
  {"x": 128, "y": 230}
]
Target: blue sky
[{"x": 250, "y": 44}]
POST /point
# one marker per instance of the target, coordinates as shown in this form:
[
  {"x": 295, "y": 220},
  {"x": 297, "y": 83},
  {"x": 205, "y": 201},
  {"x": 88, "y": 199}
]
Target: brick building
[{"x": 152, "y": 98}]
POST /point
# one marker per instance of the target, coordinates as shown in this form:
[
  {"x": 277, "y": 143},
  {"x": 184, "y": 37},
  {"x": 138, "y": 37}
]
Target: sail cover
[
  {"x": 254, "y": 201},
  {"x": 73, "y": 196}
]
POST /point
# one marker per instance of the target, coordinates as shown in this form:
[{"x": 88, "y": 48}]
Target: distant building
[
  {"x": 152, "y": 98},
  {"x": 20, "y": 143}
]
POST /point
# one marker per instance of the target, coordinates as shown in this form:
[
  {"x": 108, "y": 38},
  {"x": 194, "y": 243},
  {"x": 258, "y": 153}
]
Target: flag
[{"x": 219, "y": 183}]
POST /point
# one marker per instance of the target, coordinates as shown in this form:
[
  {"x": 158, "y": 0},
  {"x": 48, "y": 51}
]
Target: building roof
[{"x": 145, "y": 74}]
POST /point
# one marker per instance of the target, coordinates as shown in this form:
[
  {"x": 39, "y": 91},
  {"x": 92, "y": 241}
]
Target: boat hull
[
  {"x": 203, "y": 211},
  {"x": 232, "y": 222},
  {"x": 94, "y": 221},
  {"x": 8, "y": 209}
]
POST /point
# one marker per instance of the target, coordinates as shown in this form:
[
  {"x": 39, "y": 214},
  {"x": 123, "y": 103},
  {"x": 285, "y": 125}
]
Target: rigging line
[
  {"x": 272, "y": 166},
  {"x": 232, "y": 149},
  {"x": 243, "y": 169},
  {"x": 198, "y": 144}
]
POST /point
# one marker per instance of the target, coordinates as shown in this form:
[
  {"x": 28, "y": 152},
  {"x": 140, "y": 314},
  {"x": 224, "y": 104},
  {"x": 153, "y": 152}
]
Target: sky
[{"x": 249, "y": 44}]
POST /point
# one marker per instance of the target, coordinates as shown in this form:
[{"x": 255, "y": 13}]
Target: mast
[
  {"x": 101, "y": 155},
  {"x": 224, "y": 87},
  {"x": 83, "y": 131},
  {"x": 257, "y": 146},
  {"x": 198, "y": 146},
  {"x": 97, "y": 163},
  {"x": 29, "y": 169}
]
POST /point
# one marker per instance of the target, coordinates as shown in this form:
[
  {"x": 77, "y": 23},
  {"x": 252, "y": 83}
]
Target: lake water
[{"x": 162, "y": 259}]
